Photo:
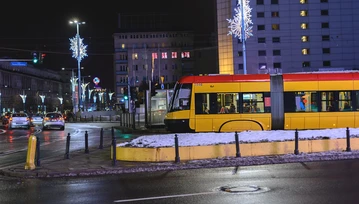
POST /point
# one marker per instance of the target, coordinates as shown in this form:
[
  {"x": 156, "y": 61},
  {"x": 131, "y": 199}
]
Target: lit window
[
  {"x": 164, "y": 55},
  {"x": 134, "y": 56},
  {"x": 185, "y": 55},
  {"x": 123, "y": 46},
  {"x": 275, "y": 26},
  {"x": 303, "y": 1},
  {"x": 305, "y": 51},
  {"x": 154, "y": 55},
  {"x": 174, "y": 54},
  {"x": 305, "y": 38},
  {"x": 275, "y": 14},
  {"x": 304, "y": 26},
  {"x": 303, "y": 13}
]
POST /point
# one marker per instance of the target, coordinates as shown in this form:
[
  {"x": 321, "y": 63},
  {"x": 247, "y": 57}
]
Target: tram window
[
  {"x": 356, "y": 97},
  {"x": 181, "y": 97},
  {"x": 202, "y": 103},
  {"x": 328, "y": 101},
  {"x": 300, "y": 102},
  {"x": 253, "y": 103},
  {"x": 227, "y": 102},
  {"x": 345, "y": 102}
]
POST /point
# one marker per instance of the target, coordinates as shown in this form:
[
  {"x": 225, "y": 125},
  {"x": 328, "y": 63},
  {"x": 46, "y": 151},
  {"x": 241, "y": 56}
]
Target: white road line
[
  {"x": 163, "y": 197},
  {"x": 2, "y": 131}
]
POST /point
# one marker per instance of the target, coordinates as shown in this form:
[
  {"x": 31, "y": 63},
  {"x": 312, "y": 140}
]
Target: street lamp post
[
  {"x": 83, "y": 86},
  {"x": 43, "y": 101},
  {"x": 73, "y": 81},
  {"x": 79, "y": 52},
  {"x": 240, "y": 26},
  {"x": 61, "y": 100},
  {"x": 23, "y": 97}
]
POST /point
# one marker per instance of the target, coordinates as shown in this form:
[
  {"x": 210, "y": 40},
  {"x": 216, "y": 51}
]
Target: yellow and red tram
[{"x": 227, "y": 103}]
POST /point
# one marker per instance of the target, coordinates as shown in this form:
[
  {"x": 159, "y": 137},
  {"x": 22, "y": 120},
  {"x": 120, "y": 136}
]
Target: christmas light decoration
[
  {"x": 75, "y": 49},
  {"x": 236, "y": 23}
]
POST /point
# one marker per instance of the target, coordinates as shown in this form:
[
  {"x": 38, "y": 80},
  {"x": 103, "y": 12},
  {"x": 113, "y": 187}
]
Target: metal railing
[{"x": 130, "y": 120}]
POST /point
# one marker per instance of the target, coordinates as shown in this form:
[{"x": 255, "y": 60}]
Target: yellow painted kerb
[{"x": 229, "y": 150}]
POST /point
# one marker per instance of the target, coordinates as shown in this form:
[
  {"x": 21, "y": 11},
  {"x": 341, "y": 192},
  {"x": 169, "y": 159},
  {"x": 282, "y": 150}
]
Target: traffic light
[
  {"x": 133, "y": 93},
  {"x": 41, "y": 57},
  {"x": 125, "y": 93},
  {"x": 153, "y": 89},
  {"x": 35, "y": 58}
]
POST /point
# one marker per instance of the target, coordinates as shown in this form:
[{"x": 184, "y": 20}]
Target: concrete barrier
[{"x": 163, "y": 154}]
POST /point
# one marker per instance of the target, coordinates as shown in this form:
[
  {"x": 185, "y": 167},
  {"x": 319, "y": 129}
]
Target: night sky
[{"x": 44, "y": 27}]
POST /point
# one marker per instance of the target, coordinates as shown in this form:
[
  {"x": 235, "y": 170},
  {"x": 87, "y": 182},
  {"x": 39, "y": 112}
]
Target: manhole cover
[{"x": 243, "y": 189}]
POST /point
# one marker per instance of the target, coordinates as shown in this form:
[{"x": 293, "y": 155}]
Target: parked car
[
  {"x": 19, "y": 120},
  {"x": 53, "y": 120},
  {"x": 36, "y": 119}
]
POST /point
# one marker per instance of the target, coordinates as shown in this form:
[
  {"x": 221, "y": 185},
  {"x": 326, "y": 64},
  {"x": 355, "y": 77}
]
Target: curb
[{"x": 193, "y": 164}]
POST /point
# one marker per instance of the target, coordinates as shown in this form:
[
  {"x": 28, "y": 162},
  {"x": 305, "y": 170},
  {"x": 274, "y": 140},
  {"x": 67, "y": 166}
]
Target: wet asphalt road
[
  {"x": 316, "y": 182},
  {"x": 14, "y": 143}
]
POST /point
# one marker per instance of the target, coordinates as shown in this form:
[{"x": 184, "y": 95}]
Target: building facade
[
  {"x": 33, "y": 82},
  {"x": 291, "y": 36},
  {"x": 151, "y": 56}
]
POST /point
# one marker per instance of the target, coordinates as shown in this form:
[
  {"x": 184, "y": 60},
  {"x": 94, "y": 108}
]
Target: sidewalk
[{"x": 98, "y": 162}]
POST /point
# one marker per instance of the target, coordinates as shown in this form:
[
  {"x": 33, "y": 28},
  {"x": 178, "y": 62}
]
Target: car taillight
[
  {"x": 10, "y": 119},
  {"x": 46, "y": 118}
]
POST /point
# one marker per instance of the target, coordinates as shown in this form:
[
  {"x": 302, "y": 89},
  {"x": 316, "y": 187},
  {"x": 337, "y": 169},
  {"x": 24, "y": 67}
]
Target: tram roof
[{"x": 301, "y": 76}]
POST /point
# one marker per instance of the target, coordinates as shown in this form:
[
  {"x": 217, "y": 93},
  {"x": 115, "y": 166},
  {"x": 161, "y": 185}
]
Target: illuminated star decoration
[
  {"x": 73, "y": 48},
  {"x": 236, "y": 23}
]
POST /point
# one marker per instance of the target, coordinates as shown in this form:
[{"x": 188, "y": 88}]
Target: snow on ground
[{"x": 202, "y": 139}]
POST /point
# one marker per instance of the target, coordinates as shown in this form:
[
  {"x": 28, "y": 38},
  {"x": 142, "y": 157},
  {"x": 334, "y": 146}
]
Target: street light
[
  {"x": 83, "y": 86},
  {"x": 43, "y": 102},
  {"x": 23, "y": 97},
  {"x": 61, "y": 100},
  {"x": 79, "y": 52},
  {"x": 73, "y": 81}
]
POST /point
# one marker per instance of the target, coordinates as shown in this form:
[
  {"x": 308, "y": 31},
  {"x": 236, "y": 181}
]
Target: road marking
[
  {"x": 2, "y": 131},
  {"x": 163, "y": 197}
]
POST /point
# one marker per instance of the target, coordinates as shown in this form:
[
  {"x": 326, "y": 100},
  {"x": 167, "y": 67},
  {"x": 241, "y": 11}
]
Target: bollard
[
  {"x": 100, "y": 118},
  {"x": 138, "y": 120},
  {"x": 238, "y": 153},
  {"x": 134, "y": 120},
  {"x": 37, "y": 156},
  {"x": 114, "y": 161},
  {"x": 348, "y": 140},
  {"x": 296, "y": 151},
  {"x": 67, "y": 153},
  {"x": 177, "y": 158},
  {"x": 86, "y": 143},
  {"x": 31, "y": 151},
  {"x": 101, "y": 139}
]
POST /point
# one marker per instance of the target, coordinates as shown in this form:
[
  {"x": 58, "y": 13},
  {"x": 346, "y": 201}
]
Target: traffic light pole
[{"x": 129, "y": 98}]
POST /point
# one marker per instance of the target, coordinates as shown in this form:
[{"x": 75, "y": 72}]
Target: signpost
[{"x": 18, "y": 64}]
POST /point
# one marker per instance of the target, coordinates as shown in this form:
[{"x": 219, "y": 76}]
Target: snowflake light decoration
[
  {"x": 73, "y": 48},
  {"x": 236, "y": 23}
]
